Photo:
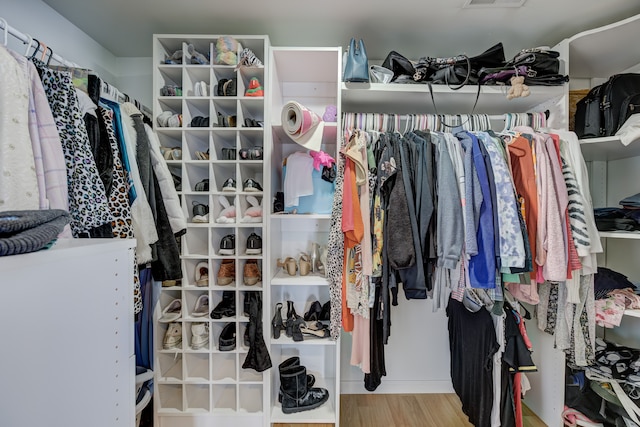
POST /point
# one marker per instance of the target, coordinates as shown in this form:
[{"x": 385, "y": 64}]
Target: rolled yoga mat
[{"x": 302, "y": 125}]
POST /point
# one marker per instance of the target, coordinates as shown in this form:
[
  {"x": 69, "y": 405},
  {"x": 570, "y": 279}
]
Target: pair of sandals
[
  {"x": 227, "y": 87},
  {"x": 171, "y": 90},
  {"x": 291, "y": 266},
  {"x": 255, "y": 153},
  {"x": 251, "y": 123},
  {"x": 173, "y": 153},
  {"x": 202, "y": 155},
  {"x": 200, "y": 122},
  {"x": 227, "y": 121},
  {"x": 201, "y": 89},
  {"x": 169, "y": 119}
]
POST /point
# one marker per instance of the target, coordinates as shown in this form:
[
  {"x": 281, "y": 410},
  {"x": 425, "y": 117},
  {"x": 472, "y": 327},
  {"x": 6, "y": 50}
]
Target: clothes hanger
[
  {"x": 28, "y": 44},
  {"x": 50, "y": 54},
  {"x": 37, "y": 48}
]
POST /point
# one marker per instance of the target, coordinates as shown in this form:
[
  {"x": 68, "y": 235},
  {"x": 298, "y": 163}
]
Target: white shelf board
[
  {"x": 325, "y": 414},
  {"x": 308, "y": 340},
  {"x": 415, "y": 98},
  {"x": 632, "y": 312},
  {"x": 608, "y": 148},
  {"x": 286, "y": 216},
  {"x": 284, "y": 279},
  {"x": 592, "y": 53},
  {"x": 620, "y": 234}
]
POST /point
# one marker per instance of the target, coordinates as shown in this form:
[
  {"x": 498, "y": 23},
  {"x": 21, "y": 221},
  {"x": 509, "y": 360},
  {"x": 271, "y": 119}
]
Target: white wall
[{"x": 39, "y": 20}]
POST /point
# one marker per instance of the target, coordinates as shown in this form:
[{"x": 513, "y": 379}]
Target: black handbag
[
  {"x": 400, "y": 66},
  {"x": 540, "y": 62},
  {"x": 459, "y": 70}
]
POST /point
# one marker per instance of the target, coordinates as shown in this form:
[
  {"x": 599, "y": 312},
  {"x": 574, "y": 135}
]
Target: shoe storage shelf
[
  {"x": 310, "y": 76},
  {"x": 210, "y": 121}
]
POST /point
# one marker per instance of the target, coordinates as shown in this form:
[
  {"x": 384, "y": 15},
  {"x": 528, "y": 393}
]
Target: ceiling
[{"x": 414, "y": 28}]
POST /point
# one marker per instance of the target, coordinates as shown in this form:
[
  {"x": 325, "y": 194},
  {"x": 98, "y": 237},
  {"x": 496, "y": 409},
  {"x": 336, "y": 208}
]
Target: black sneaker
[
  {"x": 229, "y": 185},
  {"x": 228, "y": 245},
  {"x": 254, "y": 244},
  {"x": 252, "y": 186}
]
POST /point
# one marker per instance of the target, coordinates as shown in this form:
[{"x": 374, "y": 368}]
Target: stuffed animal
[
  {"x": 226, "y": 48},
  {"x": 518, "y": 89}
]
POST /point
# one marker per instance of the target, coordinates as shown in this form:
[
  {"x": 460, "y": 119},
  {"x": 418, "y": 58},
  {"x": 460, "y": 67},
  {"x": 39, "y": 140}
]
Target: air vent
[{"x": 492, "y": 3}]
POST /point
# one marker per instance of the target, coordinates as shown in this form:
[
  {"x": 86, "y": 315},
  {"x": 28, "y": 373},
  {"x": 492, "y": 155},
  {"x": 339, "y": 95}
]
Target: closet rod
[
  {"x": 25, "y": 38},
  {"x": 111, "y": 92}
]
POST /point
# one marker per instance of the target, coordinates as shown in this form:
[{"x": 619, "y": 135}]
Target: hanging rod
[{"x": 111, "y": 91}]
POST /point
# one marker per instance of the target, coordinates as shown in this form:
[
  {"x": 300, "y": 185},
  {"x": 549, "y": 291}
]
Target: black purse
[
  {"x": 402, "y": 68},
  {"x": 540, "y": 62},
  {"x": 459, "y": 70}
]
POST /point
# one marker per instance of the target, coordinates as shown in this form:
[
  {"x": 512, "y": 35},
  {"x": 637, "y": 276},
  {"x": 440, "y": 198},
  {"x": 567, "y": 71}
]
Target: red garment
[{"x": 517, "y": 399}]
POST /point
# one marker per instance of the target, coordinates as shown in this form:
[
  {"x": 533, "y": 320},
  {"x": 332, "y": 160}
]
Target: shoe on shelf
[
  {"x": 325, "y": 314},
  {"x": 227, "y": 339},
  {"x": 199, "y": 335},
  {"x": 254, "y": 244},
  {"x": 289, "y": 265},
  {"x": 174, "y": 58},
  {"x": 228, "y": 213},
  {"x": 254, "y": 212},
  {"x": 173, "y": 336},
  {"x": 201, "y": 89},
  {"x": 172, "y": 312},
  {"x": 293, "y": 323},
  {"x": 194, "y": 56},
  {"x": 277, "y": 324},
  {"x": 175, "y": 121},
  {"x": 315, "y": 310},
  {"x": 255, "y": 153},
  {"x": 202, "y": 185},
  {"x": 228, "y": 245},
  {"x": 228, "y": 153},
  {"x": 297, "y": 395},
  {"x": 251, "y": 186},
  {"x": 202, "y": 273},
  {"x": 305, "y": 264},
  {"x": 255, "y": 88},
  {"x": 249, "y": 59},
  {"x": 173, "y": 153},
  {"x": 226, "y": 307},
  {"x": 201, "y": 155},
  {"x": 251, "y": 272},
  {"x": 229, "y": 185},
  {"x": 201, "y": 307},
  {"x": 320, "y": 332},
  {"x": 200, "y": 212},
  {"x": 291, "y": 362},
  {"x": 226, "y": 272}
]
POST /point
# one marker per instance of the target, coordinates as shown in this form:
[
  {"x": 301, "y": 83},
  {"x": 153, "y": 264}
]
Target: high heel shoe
[
  {"x": 315, "y": 256},
  {"x": 293, "y": 323},
  {"x": 314, "y": 312},
  {"x": 277, "y": 324},
  {"x": 305, "y": 264},
  {"x": 325, "y": 314},
  {"x": 289, "y": 265}
]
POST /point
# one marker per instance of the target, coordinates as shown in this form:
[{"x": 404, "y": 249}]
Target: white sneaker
[
  {"x": 199, "y": 335},
  {"x": 173, "y": 336}
]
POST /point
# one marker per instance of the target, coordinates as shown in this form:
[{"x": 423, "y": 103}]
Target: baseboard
[{"x": 398, "y": 387}]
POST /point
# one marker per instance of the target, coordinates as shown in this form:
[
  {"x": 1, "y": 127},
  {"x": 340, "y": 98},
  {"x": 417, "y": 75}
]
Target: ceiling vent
[{"x": 492, "y": 3}]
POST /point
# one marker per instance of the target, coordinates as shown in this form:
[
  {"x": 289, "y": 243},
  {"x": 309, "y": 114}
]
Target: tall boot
[
  {"x": 297, "y": 396},
  {"x": 294, "y": 361},
  {"x": 226, "y": 307},
  {"x": 258, "y": 355}
]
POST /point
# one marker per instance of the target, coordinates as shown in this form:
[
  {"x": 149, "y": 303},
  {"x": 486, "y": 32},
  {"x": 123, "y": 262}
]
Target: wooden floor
[{"x": 405, "y": 410}]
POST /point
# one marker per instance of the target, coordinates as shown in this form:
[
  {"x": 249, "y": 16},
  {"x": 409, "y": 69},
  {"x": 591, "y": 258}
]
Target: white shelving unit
[
  {"x": 310, "y": 76},
  {"x": 209, "y": 386},
  {"x": 69, "y": 312},
  {"x": 613, "y": 175}
]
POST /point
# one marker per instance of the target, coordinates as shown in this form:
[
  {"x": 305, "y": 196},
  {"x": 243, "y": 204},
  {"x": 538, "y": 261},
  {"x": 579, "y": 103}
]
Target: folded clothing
[
  {"x": 606, "y": 280},
  {"x": 30, "y": 230},
  {"x": 617, "y": 219}
]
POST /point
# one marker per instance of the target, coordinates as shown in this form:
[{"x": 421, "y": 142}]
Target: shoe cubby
[
  {"x": 254, "y": 172},
  {"x": 251, "y": 210},
  {"x": 197, "y": 366},
  {"x": 196, "y": 108},
  {"x": 224, "y": 113},
  {"x": 207, "y": 383},
  {"x": 220, "y": 174},
  {"x": 223, "y": 397},
  {"x": 197, "y": 398},
  {"x": 241, "y": 242},
  {"x": 219, "y": 280},
  {"x": 195, "y": 173},
  {"x": 251, "y": 398},
  {"x": 169, "y": 397},
  {"x": 224, "y": 209},
  {"x": 194, "y": 76},
  {"x": 195, "y": 141},
  {"x": 224, "y": 146},
  {"x": 217, "y": 234},
  {"x": 169, "y": 366}
]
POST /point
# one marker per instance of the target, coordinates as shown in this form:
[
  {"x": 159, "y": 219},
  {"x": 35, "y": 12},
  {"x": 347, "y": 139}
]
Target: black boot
[
  {"x": 294, "y": 361},
  {"x": 226, "y": 307},
  {"x": 297, "y": 396},
  {"x": 293, "y": 323}
]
